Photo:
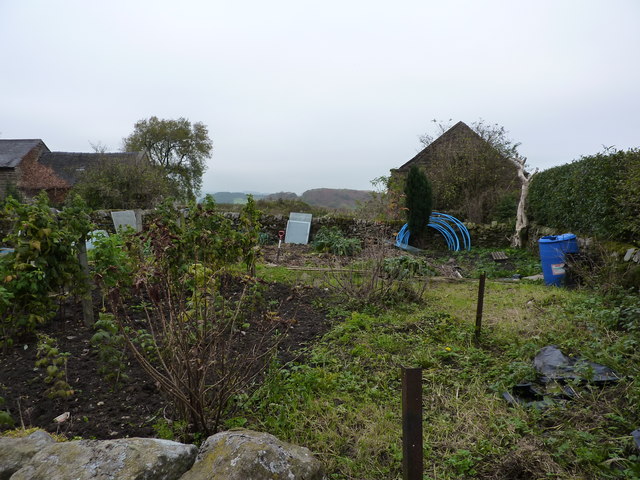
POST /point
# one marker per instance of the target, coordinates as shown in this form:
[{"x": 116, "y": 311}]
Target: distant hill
[
  {"x": 330, "y": 198},
  {"x": 235, "y": 197},
  {"x": 335, "y": 198}
]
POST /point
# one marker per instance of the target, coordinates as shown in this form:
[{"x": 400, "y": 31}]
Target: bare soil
[{"x": 98, "y": 409}]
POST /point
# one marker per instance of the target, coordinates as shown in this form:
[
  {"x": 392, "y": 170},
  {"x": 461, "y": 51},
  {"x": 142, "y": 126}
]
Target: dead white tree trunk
[{"x": 522, "y": 222}]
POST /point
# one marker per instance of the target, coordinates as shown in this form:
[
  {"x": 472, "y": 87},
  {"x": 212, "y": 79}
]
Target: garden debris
[
  {"x": 539, "y": 276},
  {"x": 62, "y": 418},
  {"x": 636, "y": 438},
  {"x": 553, "y": 365},
  {"x": 499, "y": 256},
  {"x": 538, "y": 396},
  {"x": 629, "y": 254},
  {"x": 556, "y": 373}
]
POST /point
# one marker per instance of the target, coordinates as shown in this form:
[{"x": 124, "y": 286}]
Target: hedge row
[{"x": 596, "y": 195}]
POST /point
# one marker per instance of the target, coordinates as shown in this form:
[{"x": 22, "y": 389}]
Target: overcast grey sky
[{"x": 299, "y": 94}]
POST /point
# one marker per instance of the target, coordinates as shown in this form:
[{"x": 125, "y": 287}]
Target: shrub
[
  {"x": 6, "y": 420},
  {"x": 44, "y": 262},
  {"x": 596, "y": 195},
  {"x": 193, "y": 334},
  {"x": 376, "y": 281},
  {"x": 111, "y": 348},
  {"x": 331, "y": 239},
  {"x": 55, "y": 364},
  {"x": 417, "y": 192},
  {"x": 405, "y": 266}
]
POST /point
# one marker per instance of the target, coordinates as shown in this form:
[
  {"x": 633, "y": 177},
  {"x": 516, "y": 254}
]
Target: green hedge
[{"x": 596, "y": 195}]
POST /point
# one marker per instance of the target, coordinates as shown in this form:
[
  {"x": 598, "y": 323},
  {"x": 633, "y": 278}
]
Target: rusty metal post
[
  {"x": 412, "y": 460},
  {"x": 480, "y": 306}
]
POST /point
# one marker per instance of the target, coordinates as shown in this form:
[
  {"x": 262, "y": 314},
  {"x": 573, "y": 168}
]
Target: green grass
[
  {"x": 478, "y": 260},
  {"x": 344, "y": 401}
]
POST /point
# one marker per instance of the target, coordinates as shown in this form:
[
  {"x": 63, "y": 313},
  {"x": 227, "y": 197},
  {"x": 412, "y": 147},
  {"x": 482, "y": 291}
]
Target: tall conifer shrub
[{"x": 417, "y": 192}]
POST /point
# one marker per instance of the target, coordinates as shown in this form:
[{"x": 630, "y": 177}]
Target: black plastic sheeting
[
  {"x": 636, "y": 438},
  {"x": 557, "y": 374},
  {"x": 555, "y": 369},
  {"x": 553, "y": 365}
]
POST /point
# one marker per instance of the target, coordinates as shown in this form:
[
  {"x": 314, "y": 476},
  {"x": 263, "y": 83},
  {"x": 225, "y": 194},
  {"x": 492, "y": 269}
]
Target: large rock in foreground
[
  {"x": 122, "y": 459},
  {"x": 245, "y": 454},
  {"x": 16, "y": 452}
]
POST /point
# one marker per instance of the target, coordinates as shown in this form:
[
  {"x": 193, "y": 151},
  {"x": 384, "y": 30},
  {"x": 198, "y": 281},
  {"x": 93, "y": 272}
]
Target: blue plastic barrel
[{"x": 552, "y": 256}]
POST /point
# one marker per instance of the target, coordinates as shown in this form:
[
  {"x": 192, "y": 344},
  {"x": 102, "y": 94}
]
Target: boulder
[
  {"x": 16, "y": 452},
  {"x": 122, "y": 459},
  {"x": 245, "y": 454}
]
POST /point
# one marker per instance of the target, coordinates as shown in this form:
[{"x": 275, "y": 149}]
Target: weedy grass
[
  {"x": 478, "y": 261},
  {"x": 343, "y": 402}
]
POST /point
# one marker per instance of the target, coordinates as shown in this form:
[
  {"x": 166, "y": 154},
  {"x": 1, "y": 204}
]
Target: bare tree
[{"x": 519, "y": 238}]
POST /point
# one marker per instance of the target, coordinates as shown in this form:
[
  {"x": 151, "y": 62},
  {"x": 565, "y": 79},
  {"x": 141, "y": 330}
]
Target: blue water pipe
[{"x": 444, "y": 224}]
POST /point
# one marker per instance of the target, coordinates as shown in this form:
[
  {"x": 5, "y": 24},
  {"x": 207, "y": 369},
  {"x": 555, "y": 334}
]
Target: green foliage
[
  {"x": 184, "y": 260},
  {"x": 596, "y": 195},
  {"x": 44, "y": 262},
  {"x": 170, "y": 429},
  {"x": 6, "y": 420},
  {"x": 199, "y": 234},
  {"x": 470, "y": 169},
  {"x": 11, "y": 191},
  {"x": 384, "y": 202},
  {"x": 478, "y": 260},
  {"x": 627, "y": 196},
  {"x": 506, "y": 208},
  {"x": 417, "y": 192},
  {"x": 112, "y": 263},
  {"x": 110, "y": 347},
  {"x": 284, "y": 206},
  {"x": 55, "y": 364},
  {"x": 406, "y": 266},
  {"x": 179, "y": 147},
  {"x": 123, "y": 184},
  {"x": 343, "y": 400},
  {"x": 248, "y": 229},
  {"x": 331, "y": 239},
  {"x": 374, "y": 283},
  {"x": 266, "y": 238}
]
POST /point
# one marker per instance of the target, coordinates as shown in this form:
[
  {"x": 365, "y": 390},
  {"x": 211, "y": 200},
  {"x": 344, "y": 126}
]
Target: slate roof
[
  {"x": 12, "y": 151},
  {"x": 70, "y": 165},
  {"x": 459, "y": 131}
]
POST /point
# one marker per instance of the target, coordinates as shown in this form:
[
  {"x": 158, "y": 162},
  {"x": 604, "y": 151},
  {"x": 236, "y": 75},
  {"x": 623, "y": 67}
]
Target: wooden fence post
[
  {"x": 412, "y": 459},
  {"x": 480, "y": 307}
]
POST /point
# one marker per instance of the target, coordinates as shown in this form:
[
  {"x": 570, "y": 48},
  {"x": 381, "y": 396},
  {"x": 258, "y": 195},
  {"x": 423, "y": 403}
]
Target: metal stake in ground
[
  {"x": 280, "y": 238},
  {"x": 480, "y": 306},
  {"x": 412, "y": 461}
]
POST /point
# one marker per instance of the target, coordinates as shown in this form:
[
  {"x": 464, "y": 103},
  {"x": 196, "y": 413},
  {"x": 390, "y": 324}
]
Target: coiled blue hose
[{"x": 444, "y": 224}]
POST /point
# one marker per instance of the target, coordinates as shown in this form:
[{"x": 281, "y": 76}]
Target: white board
[
  {"x": 124, "y": 218},
  {"x": 298, "y": 228}
]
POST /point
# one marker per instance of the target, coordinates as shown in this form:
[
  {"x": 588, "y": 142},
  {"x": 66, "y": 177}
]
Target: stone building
[
  {"x": 29, "y": 167},
  {"x": 469, "y": 177}
]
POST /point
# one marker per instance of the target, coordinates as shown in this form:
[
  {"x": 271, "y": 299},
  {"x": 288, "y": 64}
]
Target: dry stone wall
[{"x": 236, "y": 454}]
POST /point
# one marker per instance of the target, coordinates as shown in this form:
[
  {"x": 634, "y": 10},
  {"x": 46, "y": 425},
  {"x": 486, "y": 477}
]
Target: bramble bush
[{"x": 44, "y": 261}]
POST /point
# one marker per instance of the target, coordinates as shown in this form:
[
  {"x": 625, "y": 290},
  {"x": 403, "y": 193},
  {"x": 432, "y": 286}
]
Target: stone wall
[
  {"x": 232, "y": 455},
  {"x": 494, "y": 235},
  {"x": 7, "y": 177}
]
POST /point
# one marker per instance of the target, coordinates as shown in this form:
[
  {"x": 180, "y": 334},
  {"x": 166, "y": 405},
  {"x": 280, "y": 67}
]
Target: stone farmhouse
[{"x": 29, "y": 167}]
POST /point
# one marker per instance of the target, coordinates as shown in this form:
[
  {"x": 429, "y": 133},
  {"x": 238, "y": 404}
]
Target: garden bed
[{"x": 100, "y": 410}]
